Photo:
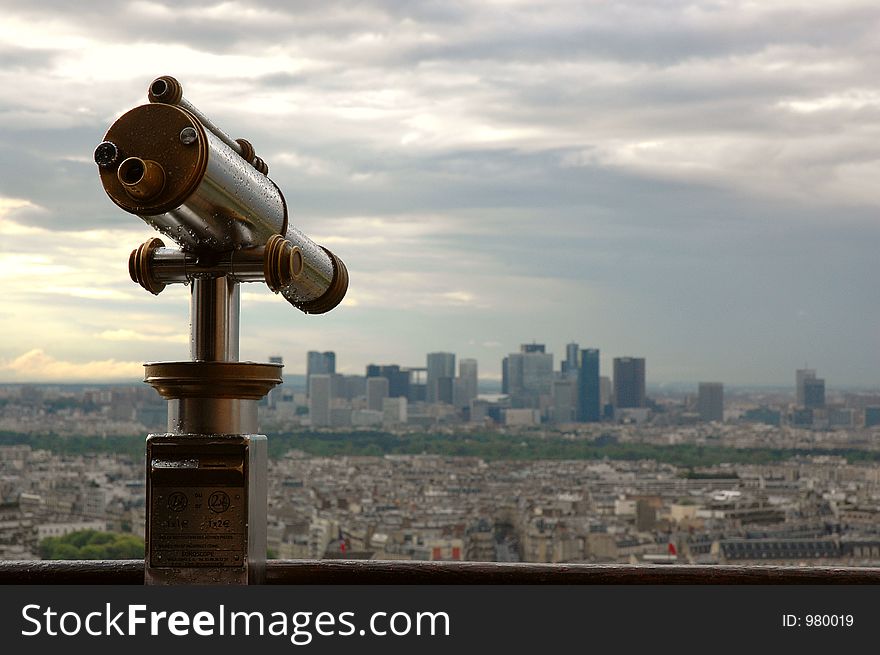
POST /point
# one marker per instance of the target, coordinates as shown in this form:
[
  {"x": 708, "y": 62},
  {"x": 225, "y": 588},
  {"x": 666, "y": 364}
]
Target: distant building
[
  {"x": 841, "y": 417},
  {"x": 377, "y": 390},
  {"x": 564, "y": 401},
  {"x": 418, "y": 385},
  {"x": 398, "y": 379},
  {"x": 629, "y": 382},
  {"x": 589, "y": 387},
  {"x": 814, "y": 393},
  {"x": 802, "y": 417},
  {"x": 355, "y": 386},
  {"x": 441, "y": 366},
  {"x": 319, "y": 364},
  {"x": 529, "y": 375},
  {"x": 570, "y": 364},
  {"x": 522, "y": 417},
  {"x": 467, "y": 384},
  {"x": 763, "y": 414},
  {"x": 445, "y": 390},
  {"x": 872, "y": 416},
  {"x": 802, "y": 375},
  {"x": 363, "y": 418},
  {"x": 606, "y": 392},
  {"x": 319, "y": 399},
  {"x": 394, "y": 411},
  {"x": 710, "y": 401}
]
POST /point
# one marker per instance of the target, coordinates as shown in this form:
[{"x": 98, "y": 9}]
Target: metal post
[
  {"x": 206, "y": 477},
  {"x": 214, "y": 318}
]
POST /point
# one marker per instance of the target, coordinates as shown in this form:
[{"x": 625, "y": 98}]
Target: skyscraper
[
  {"x": 377, "y": 389},
  {"x": 466, "y": 384},
  {"x": 629, "y": 382},
  {"x": 589, "y": 407},
  {"x": 319, "y": 399},
  {"x": 564, "y": 396},
  {"x": 398, "y": 380},
  {"x": 800, "y": 376},
  {"x": 529, "y": 375},
  {"x": 814, "y": 393},
  {"x": 319, "y": 364},
  {"x": 569, "y": 365},
  {"x": 710, "y": 401},
  {"x": 440, "y": 365}
]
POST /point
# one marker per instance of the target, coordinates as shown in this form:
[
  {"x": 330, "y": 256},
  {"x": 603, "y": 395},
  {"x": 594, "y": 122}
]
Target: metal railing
[{"x": 373, "y": 572}]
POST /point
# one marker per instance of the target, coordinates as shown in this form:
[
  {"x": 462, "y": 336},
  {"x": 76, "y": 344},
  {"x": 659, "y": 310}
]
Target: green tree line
[
  {"x": 487, "y": 445},
  {"x": 92, "y": 544}
]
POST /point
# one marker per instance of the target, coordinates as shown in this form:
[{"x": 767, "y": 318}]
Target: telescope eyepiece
[
  {"x": 166, "y": 90},
  {"x": 141, "y": 179}
]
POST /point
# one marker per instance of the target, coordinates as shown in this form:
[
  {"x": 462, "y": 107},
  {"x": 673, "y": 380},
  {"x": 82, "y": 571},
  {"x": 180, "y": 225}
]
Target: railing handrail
[{"x": 377, "y": 572}]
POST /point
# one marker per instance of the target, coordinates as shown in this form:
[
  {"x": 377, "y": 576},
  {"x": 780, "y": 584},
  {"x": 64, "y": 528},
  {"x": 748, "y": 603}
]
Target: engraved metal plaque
[
  {"x": 198, "y": 526},
  {"x": 198, "y": 502}
]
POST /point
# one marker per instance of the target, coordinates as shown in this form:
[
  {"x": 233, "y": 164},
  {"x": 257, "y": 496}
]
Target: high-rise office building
[
  {"x": 377, "y": 390},
  {"x": 464, "y": 387},
  {"x": 418, "y": 376},
  {"x": 529, "y": 375},
  {"x": 445, "y": 390},
  {"x": 814, "y": 393},
  {"x": 355, "y": 386},
  {"x": 629, "y": 382},
  {"x": 569, "y": 365},
  {"x": 606, "y": 392},
  {"x": 468, "y": 382},
  {"x": 319, "y": 399},
  {"x": 564, "y": 400},
  {"x": 588, "y": 385},
  {"x": 537, "y": 369},
  {"x": 440, "y": 365},
  {"x": 872, "y": 416},
  {"x": 800, "y": 376},
  {"x": 318, "y": 363},
  {"x": 398, "y": 380},
  {"x": 710, "y": 401}
]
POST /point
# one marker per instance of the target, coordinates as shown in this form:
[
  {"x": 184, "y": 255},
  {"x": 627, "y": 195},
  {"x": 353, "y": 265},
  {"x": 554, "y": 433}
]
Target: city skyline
[
  {"x": 326, "y": 362},
  {"x": 690, "y": 182}
]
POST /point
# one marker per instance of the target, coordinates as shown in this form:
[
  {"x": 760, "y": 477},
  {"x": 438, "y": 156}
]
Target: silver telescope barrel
[{"x": 170, "y": 165}]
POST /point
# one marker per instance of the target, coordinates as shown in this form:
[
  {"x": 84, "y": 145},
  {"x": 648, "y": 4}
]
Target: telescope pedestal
[
  {"x": 167, "y": 163},
  {"x": 206, "y": 477}
]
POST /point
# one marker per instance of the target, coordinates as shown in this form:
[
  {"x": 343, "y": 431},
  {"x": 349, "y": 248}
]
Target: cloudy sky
[{"x": 697, "y": 183}]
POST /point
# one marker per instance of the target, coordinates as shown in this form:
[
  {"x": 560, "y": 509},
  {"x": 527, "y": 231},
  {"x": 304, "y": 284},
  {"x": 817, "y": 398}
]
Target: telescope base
[{"x": 206, "y": 509}]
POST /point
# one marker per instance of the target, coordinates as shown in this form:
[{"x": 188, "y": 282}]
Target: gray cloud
[{"x": 690, "y": 182}]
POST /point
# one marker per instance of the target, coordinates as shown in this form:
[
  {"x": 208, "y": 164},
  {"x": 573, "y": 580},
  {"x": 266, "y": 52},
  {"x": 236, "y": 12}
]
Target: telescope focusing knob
[{"x": 140, "y": 266}]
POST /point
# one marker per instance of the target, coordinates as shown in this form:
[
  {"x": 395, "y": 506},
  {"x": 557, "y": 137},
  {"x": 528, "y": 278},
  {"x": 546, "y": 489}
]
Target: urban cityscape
[{"x": 577, "y": 464}]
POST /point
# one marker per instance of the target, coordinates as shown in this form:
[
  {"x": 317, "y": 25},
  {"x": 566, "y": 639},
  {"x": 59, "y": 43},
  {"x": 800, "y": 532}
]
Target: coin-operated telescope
[{"x": 167, "y": 163}]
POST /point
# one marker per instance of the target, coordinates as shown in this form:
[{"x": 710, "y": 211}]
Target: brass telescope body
[{"x": 160, "y": 162}]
